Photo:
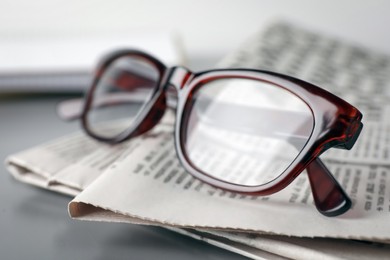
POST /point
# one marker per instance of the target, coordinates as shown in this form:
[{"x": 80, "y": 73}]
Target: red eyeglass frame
[{"x": 336, "y": 124}]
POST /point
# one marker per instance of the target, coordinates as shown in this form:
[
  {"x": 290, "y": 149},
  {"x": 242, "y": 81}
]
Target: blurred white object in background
[
  {"x": 209, "y": 29},
  {"x": 66, "y": 64}
]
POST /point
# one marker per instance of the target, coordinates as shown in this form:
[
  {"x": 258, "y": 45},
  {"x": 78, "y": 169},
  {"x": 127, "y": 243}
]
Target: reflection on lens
[
  {"x": 120, "y": 95},
  {"x": 245, "y": 132}
]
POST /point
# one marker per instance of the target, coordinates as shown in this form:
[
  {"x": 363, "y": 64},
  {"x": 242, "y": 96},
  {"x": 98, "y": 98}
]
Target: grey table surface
[{"x": 34, "y": 223}]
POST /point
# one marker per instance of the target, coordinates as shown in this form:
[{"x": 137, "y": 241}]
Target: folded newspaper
[{"x": 141, "y": 181}]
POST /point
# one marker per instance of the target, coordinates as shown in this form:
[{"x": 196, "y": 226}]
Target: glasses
[{"x": 242, "y": 130}]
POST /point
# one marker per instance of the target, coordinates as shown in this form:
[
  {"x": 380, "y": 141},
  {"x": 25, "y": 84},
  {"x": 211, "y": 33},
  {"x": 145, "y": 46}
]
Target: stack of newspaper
[{"x": 142, "y": 182}]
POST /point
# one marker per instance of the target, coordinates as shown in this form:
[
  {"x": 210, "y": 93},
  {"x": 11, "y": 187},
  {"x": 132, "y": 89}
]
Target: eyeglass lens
[
  {"x": 244, "y": 131},
  {"x": 120, "y": 95}
]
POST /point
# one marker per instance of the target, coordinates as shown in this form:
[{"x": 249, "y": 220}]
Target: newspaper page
[
  {"x": 363, "y": 174},
  {"x": 306, "y": 248},
  {"x": 147, "y": 170},
  {"x": 153, "y": 176},
  {"x": 323, "y": 249},
  {"x": 359, "y": 75}
]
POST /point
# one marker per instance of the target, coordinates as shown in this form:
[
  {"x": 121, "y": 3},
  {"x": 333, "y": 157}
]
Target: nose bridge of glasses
[{"x": 178, "y": 76}]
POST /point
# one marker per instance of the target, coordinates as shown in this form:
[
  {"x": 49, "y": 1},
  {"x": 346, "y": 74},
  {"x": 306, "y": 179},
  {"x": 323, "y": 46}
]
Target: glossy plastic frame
[{"x": 336, "y": 124}]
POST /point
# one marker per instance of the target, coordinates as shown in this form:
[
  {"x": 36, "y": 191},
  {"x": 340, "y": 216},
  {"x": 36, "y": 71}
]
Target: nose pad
[{"x": 153, "y": 116}]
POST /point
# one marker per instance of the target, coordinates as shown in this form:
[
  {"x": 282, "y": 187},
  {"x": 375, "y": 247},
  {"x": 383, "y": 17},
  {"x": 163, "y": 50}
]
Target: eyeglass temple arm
[
  {"x": 329, "y": 197},
  {"x": 72, "y": 109}
]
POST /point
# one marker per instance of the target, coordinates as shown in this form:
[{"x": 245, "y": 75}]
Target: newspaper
[
  {"x": 154, "y": 177},
  {"x": 95, "y": 166},
  {"x": 155, "y": 190}
]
